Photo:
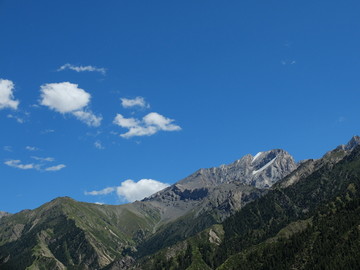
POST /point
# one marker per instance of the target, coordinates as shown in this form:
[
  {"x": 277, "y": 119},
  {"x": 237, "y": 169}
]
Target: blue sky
[{"x": 94, "y": 93}]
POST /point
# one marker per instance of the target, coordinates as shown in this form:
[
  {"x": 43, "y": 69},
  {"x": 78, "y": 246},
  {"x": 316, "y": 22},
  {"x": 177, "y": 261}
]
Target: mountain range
[{"x": 246, "y": 215}]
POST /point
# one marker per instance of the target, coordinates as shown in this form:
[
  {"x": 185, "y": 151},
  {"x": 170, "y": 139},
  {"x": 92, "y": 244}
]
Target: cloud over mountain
[{"x": 131, "y": 191}]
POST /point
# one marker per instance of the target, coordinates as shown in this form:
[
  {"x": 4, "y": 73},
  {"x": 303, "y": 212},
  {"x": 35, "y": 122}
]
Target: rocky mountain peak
[
  {"x": 212, "y": 187},
  {"x": 262, "y": 171},
  {"x": 354, "y": 141}
]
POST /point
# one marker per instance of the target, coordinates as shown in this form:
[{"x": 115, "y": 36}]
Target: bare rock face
[
  {"x": 226, "y": 188},
  {"x": 309, "y": 166},
  {"x": 355, "y": 141},
  {"x": 261, "y": 171}
]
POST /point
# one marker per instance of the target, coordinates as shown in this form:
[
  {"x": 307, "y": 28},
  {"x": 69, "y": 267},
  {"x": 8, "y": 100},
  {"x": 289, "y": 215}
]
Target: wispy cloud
[
  {"x": 82, "y": 68},
  {"x": 46, "y": 131},
  {"x": 104, "y": 191},
  {"x": 131, "y": 191},
  {"x": 7, "y": 148},
  {"x": 31, "y": 148},
  {"x": 67, "y": 97},
  {"x": 15, "y": 163},
  {"x": 149, "y": 125},
  {"x": 47, "y": 159},
  {"x": 88, "y": 118},
  {"x": 17, "y": 118},
  {"x": 341, "y": 119},
  {"x": 7, "y": 96},
  {"x": 40, "y": 165},
  {"x": 288, "y": 62},
  {"x": 99, "y": 145},
  {"x": 136, "y": 102},
  {"x": 55, "y": 168}
]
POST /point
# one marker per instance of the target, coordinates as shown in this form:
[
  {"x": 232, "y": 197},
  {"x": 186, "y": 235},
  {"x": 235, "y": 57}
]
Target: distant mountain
[{"x": 198, "y": 223}]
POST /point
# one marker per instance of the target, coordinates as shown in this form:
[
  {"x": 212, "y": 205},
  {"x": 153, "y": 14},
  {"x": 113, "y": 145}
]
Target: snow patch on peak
[
  {"x": 256, "y": 156},
  {"x": 264, "y": 167}
]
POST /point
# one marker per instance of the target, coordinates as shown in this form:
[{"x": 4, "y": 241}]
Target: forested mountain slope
[{"x": 312, "y": 223}]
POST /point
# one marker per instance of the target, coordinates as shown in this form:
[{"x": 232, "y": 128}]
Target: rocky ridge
[
  {"x": 4, "y": 214},
  {"x": 307, "y": 167}
]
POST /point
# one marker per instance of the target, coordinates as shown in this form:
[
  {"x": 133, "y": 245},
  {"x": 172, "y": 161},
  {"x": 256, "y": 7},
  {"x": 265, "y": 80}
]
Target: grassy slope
[{"x": 73, "y": 234}]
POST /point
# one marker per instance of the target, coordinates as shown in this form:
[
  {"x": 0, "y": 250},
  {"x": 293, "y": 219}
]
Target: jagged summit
[
  {"x": 261, "y": 170},
  {"x": 354, "y": 141},
  {"x": 228, "y": 184}
]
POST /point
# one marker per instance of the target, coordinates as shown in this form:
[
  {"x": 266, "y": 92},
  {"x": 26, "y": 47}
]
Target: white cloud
[
  {"x": 47, "y": 159},
  {"x": 138, "y": 101},
  {"x": 88, "y": 118},
  {"x": 17, "y": 118},
  {"x": 140, "y": 131},
  {"x": 67, "y": 97},
  {"x": 149, "y": 125},
  {"x": 31, "y": 148},
  {"x": 133, "y": 191},
  {"x": 6, "y": 95},
  {"x": 64, "y": 97},
  {"x": 17, "y": 164},
  {"x": 161, "y": 122},
  {"x": 82, "y": 68},
  {"x": 130, "y": 190},
  {"x": 104, "y": 191},
  {"x": 98, "y": 145},
  {"x": 55, "y": 168},
  {"x": 125, "y": 122}
]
